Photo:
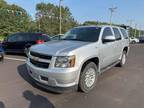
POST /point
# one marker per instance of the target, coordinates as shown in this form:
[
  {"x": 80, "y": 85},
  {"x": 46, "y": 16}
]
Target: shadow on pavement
[
  {"x": 37, "y": 101},
  {"x": 22, "y": 70},
  {"x": 16, "y": 54},
  {"x": 2, "y": 105}
]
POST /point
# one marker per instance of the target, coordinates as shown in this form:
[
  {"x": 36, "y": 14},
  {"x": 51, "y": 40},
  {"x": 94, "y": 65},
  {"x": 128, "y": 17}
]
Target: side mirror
[{"x": 108, "y": 39}]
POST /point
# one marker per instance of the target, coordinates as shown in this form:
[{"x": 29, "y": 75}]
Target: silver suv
[{"x": 78, "y": 58}]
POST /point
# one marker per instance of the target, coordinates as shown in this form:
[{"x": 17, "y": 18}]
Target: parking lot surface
[{"x": 116, "y": 88}]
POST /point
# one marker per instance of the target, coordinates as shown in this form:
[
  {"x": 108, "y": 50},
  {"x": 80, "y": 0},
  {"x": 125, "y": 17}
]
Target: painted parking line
[{"x": 15, "y": 59}]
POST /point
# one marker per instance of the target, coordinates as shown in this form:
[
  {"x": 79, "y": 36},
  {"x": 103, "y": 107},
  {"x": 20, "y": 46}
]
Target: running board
[{"x": 109, "y": 67}]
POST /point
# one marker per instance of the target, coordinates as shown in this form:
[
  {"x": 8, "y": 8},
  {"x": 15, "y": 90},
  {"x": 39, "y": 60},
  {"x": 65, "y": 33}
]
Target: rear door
[{"x": 118, "y": 43}]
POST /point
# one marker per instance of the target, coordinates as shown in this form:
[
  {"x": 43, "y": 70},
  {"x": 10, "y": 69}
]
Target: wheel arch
[
  {"x": 126, "y": 49},
  {"x": 94, "y": 60}
]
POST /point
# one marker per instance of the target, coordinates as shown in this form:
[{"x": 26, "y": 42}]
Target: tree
[
  {"x": 13, "y": 19},
  {"x": 132, "y": 32},
  {"x": 48, "y": 18}
]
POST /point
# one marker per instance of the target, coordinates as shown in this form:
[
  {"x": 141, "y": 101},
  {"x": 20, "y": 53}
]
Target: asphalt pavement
[{"x": 116, "y": 88}]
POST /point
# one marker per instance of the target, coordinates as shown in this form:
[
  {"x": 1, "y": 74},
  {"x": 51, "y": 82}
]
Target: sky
[{"x": 95, "y": 10}]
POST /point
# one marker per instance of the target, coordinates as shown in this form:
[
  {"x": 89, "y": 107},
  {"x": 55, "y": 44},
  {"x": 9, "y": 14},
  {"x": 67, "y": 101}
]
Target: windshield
[{"x": 86, "y": 34}]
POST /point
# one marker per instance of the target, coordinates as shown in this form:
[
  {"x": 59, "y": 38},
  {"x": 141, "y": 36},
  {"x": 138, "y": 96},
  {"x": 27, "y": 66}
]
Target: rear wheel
[
  {"x": 123, "y": 59},
  {"x": 1, "y": 57},
  {"x": 133, "y": 42},
  {"x": 88, "y": 77}
]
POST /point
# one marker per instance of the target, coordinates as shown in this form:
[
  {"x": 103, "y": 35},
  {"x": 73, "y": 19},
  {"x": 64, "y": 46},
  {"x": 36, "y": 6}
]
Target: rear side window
[
  {"x": 27, "y": 37},
  {"x": 117, "y": 34},
  {"x": 30, "y": 37},
  {"x": 124, "y": 33},
  {"x": 12, "y": 38},
  {"x": 107, "y": 32},
  {"x": 44, "y": 37},
  {"x": 16, "y": 38}
]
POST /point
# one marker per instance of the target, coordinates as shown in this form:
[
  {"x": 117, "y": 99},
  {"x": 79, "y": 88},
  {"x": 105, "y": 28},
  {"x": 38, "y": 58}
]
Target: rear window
[
  {"x": 141, "y": 38},
  {"x": 124, "y": 33},
  {"x": 117, "y": 34}
]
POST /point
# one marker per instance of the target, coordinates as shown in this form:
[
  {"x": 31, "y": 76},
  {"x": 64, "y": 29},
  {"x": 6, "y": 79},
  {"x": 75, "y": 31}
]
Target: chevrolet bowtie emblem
[{"x": 36, "y": 58}]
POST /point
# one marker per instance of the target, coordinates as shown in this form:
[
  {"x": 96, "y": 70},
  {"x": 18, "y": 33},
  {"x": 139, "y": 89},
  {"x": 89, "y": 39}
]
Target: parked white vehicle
[
  {"x": 78, "y": 58},
  {"x": 134, "y": 40}
]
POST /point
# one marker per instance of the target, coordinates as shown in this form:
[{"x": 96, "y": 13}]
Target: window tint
[
  {"x": 12, "y": 38},
  {"x": 125, "y": 34},
  {"x": 15, "y": 38},
  {"x": 25, "y": 37},
  {"x": 117, "y": 34},
  {"x": 107, "y": 32},
  {"x": 30, "y": 37},
  {"x": 86, "y": 34},
  {"x": 44, "y": 37}
]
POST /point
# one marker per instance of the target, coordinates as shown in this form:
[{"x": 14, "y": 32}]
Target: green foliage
[
  {"x": 15, "y": 19},
  {"x": 132, "y": 32},
  {"x": 12, "y": 19},
  {"x": 49, "y": 19},
  {"x": 1, "y": 38}
]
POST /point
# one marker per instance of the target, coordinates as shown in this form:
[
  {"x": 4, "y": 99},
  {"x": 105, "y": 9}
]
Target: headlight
[{"x": 65, "y": 61}]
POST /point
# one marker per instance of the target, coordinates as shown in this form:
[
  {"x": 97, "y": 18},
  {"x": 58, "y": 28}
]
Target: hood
[{"x": 57, "y": 47}]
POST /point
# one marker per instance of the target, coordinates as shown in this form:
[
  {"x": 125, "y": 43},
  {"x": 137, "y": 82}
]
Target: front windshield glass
[{"x": 86, "y": 34}]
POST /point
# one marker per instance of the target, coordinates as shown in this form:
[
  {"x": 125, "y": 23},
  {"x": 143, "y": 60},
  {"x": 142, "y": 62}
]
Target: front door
[{"x": 107, "y": 49}]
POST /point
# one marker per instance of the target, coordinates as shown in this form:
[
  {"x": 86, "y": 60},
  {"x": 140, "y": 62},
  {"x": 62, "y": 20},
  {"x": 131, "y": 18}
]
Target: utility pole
[
  {"x": 130, "y": 21},
  {"x": 112, "y": 10},
  {"x": 60, "y": 17},
  {"x": 135, "y": 30},
  {"x": 38, "y": 16},
  {"x": 139, "y": 30}
]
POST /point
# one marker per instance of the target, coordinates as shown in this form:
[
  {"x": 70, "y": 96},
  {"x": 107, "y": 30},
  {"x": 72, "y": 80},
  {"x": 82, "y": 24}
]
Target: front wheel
[
  {"x": 88, "y": 77},
  {"x": 26, "y": 51}
]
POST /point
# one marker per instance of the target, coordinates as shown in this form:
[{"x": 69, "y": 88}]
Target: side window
[
  {"x": 46, "y": 38},
  {"x": 124, "y": 33},
  {"x": 12, "y": 38},
  {"x": 20, "y": 38},
  {"x": 107, "y": 32},
  {"x": 117, "y": 34}
]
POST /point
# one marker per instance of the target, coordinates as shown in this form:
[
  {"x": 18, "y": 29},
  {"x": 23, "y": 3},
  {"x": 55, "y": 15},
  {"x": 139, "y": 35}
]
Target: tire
[
  {"x": 2, "y": 57},
  {"x": 88, "y": 77},
  {"x": 123, "y": 59},
  {"x": 133, "y": 42},
  {"x": 26, "y": 50}
]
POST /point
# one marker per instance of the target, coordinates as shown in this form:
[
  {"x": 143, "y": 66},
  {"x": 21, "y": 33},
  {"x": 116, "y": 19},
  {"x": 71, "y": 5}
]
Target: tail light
[{"x": 40, "y": 41}]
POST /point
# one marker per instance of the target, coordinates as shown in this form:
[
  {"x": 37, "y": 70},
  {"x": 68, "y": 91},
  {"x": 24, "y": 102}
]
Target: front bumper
[{"x": 54, "y": 77}]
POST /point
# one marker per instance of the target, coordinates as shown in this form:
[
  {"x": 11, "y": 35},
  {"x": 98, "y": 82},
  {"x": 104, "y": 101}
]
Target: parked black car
[
  {"x": 20, "y": 42},
  {"x": 141, "y": 39},
  {"x": 1, "y": 52}
]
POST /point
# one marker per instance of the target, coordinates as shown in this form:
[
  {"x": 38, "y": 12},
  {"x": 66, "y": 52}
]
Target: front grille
[
  {"x": 42, "y": 56},
  {"x": 39, "y": 64}
]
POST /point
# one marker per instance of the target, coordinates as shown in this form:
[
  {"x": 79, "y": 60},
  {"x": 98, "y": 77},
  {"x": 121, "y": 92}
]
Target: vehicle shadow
[
  {"x": 22, "y": 71},
  {"x": 16, "y": 54},
  {"x": 37, "y": 101},
  {"x": 2, "y": 105}
]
